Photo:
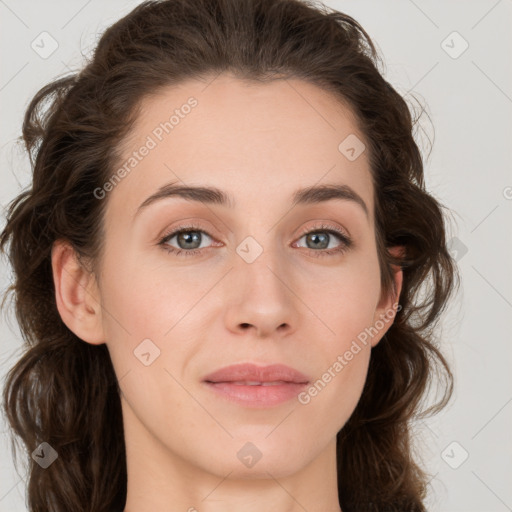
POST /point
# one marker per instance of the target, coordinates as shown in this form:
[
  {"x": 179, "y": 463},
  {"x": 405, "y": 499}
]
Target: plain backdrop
[{"x": 455, "y": 58}]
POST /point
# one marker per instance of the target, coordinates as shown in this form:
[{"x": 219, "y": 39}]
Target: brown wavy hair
[{"x": 65, "y": 391}]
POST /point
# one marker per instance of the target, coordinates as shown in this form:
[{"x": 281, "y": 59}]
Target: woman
[{"x": 218, "y": 269}]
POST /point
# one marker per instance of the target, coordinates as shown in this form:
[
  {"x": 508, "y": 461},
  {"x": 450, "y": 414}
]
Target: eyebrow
[{"x": 212, "y": 195}]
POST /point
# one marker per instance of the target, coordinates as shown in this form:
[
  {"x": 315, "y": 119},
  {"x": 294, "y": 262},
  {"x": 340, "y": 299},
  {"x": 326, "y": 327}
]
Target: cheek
[
  {"x": 144, "y": 301},
  {"x": 345, "y": 299},
  {"x": 151, "y": 315},
  {"x": 346, "y": 305}
]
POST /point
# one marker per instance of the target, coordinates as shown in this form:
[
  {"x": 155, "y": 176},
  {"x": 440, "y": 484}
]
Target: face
[{"x": 266, "y": 277}]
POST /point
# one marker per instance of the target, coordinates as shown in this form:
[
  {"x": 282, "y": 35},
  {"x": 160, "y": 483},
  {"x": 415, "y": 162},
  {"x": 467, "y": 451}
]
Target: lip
[
  {"x": 252, "y": 372},
  {"x": 224, "y": 383}
]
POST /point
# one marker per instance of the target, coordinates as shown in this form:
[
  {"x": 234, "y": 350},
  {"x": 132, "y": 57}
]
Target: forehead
[{"x": 253, "y": 140}]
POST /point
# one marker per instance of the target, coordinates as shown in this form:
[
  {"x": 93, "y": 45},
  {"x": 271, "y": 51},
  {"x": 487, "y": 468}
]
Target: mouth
[{"x": 250, "y": 385}]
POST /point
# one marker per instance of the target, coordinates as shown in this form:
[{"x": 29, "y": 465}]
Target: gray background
[{"x": 469, "y": 100}]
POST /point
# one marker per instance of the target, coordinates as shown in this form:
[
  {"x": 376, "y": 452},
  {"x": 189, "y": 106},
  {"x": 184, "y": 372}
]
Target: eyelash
[{"x": 346, "y": 242}]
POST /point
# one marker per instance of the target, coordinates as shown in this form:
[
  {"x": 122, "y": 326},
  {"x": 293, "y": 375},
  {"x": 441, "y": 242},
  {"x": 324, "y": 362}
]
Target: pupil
[{"x": 188, "y": 238}]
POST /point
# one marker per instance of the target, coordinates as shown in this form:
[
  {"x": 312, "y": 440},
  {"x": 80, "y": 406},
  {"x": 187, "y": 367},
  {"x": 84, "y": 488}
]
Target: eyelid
[
  {"x": 185, "y": 225},
  {"x": 325, "y": 225}
]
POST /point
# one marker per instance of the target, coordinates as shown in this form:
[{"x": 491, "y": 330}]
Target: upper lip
[{"x": 254, "y": 373}]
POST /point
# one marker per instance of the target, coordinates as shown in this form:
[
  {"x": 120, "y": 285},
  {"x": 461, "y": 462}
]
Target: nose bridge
[{"x": 262, "y": 267}]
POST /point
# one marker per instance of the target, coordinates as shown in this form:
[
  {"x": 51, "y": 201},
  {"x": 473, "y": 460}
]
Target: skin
[{"x": 260, "y": 143}]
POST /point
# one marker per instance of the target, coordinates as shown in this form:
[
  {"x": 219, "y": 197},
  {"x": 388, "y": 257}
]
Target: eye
[
  {"x": 321, "y": 237},
  {"x": 188, "y": 239}
]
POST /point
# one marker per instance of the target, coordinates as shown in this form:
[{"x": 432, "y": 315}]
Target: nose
[{"x": 261, "y": 298}]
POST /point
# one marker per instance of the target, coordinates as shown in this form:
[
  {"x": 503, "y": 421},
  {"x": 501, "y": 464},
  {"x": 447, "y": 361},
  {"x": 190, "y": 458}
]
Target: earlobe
[
  {"x": 76, "y": 294},
  {"x": 388, "y": 305}
]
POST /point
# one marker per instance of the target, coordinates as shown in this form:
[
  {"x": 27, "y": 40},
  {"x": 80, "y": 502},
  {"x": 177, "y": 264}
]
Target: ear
[
  {"x": 388, "y": 304},
  {"x": 76, "y": 294}
]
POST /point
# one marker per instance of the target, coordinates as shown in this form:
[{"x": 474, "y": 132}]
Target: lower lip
[{"x": 257, "y": 396}]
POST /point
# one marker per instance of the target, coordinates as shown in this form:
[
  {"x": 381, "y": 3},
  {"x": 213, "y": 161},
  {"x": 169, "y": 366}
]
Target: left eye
[
  {"x": 321, "y": 238},
  {"x": 189, "y": 240}
]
